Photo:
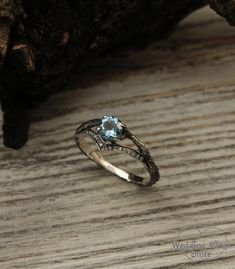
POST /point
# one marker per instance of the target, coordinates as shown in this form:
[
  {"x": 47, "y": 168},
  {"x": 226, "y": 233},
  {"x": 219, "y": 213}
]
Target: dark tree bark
[
  {"x": 225, "y": 8},
  {"x": 41, "y": 42}
]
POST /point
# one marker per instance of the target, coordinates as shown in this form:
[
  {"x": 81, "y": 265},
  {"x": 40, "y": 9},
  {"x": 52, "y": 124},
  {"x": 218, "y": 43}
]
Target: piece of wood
[
  {"x": 224, "y": 8},
  {"x": 48, "y": 39},
  {"x": 60, "y": 211}
]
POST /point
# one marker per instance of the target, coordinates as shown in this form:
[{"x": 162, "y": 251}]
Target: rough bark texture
[
  {"x": 43, "y": 41},
  {"x": 225, "y": 8}
]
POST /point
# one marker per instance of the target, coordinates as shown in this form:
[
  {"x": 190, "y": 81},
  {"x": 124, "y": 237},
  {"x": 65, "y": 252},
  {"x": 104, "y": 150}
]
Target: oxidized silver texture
[{"x": 141, "y": 154}]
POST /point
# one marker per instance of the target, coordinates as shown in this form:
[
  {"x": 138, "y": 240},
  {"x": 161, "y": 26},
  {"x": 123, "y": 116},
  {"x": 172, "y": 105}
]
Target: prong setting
[{"x": 111, "y": 128}]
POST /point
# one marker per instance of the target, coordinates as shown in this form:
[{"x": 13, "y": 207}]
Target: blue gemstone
[{"x": 111, "y": 128}]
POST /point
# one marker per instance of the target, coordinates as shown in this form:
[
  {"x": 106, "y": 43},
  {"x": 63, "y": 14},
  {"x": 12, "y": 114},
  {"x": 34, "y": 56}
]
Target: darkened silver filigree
[{"x": 91, "y": 128}]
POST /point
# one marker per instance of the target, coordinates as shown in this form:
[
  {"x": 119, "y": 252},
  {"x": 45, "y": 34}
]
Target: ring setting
[
  {"x": 107, "y": 134},
  {"x": 111, "y": 128}
]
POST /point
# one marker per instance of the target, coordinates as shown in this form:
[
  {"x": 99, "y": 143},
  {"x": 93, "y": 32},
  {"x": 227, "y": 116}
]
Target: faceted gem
[{"x": 111, "y": 128}]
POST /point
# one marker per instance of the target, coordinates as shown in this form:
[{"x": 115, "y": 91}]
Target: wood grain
[{"x": 58, "y": 210}]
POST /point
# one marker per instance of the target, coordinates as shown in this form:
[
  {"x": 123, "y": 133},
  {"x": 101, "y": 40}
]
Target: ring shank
[{"x": 94, "y": 155}]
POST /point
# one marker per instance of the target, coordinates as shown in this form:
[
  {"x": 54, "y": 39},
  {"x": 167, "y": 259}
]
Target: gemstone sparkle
[{"x": 111, "y": 128}]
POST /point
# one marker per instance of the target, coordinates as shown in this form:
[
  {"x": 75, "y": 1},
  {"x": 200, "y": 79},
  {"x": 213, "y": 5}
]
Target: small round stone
[{"x": 111, "y": 128}]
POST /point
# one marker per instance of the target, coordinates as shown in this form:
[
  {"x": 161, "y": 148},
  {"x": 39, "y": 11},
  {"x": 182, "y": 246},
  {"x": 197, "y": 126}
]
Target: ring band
[{"x": 107, "y": 134}]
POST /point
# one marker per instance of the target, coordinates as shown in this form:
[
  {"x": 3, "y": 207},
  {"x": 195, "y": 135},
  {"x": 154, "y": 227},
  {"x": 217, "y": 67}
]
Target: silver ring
[{"x": 107, "y": 133}]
